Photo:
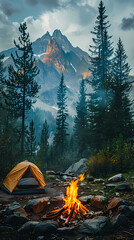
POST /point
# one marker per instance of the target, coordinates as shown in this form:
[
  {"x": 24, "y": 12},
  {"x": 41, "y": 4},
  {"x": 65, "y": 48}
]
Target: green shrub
[{"x": 115, "y": 157}]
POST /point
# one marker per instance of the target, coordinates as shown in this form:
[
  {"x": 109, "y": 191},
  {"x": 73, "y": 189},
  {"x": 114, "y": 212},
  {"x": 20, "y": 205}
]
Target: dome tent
[{"x": 24, "y": 178}]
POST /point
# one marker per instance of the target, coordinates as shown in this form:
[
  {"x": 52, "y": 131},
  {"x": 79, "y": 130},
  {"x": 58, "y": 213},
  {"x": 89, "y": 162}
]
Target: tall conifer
[
  {"x": 61, "y": 123},
  {"x": 81, "y": 125},
  {"x": 30, "y": 142},
  {"x": 44, "y": 145},
  {"x": 121, "y": 105},
  {"x": 21, "y": 79},
  {"x": 100, "y": 59}
]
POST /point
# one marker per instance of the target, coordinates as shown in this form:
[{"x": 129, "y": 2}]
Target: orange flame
[{"x": 71, "y": 201}]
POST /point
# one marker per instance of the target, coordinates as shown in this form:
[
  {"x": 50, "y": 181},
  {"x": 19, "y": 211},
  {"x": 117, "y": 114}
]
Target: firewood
[{"x": 70, "y": 215}]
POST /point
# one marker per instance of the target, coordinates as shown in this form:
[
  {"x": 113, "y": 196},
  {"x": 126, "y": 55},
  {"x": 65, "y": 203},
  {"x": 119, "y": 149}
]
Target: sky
[{"x": 75, "y": 18}]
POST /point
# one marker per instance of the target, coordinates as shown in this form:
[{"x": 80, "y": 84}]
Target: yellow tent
[{"x": 25, "y": 177}]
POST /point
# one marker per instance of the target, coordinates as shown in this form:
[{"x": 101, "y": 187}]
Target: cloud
[
  {"x": 8, "y": 8},
  {"x": 8, "y": 32},
  {"x": 49, "y": 5},
  {"x": 127, "y": 23},
  {"x": 32, "y": 2}
]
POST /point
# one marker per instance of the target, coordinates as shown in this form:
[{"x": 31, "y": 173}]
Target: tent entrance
[{"x": 27, "y": 181}]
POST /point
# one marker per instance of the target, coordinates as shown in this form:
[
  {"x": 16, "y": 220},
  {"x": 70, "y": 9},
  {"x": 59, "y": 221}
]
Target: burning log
[{"x": 72, "y": 207}]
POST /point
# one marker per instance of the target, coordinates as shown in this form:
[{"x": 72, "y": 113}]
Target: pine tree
[
  {"x": 44, "y": 145},
  {"x": 81, "y": 124},
  {"x": 61, "y": 123},
  {"x": 21, "y": 78},
  {"x": 2, "y": 86},
  {"x": 100, "y": 59},
  {"x": 120, "y": 109},
  {"x": 30, "y": 142},
  {"x": 2, "y": 77}
]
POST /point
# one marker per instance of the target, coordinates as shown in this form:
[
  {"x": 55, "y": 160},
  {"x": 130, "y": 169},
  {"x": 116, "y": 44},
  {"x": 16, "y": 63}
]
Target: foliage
[
  {"x": 120, "y": 113},
  {"x": 100, "y": 58},
  {"x": 22, "y": 89},
  {"x": 43, "y": 153},
  {"x": 9, "y": 145},
  {"x": 30, "y": 142},
  {"x": 61, "y": 123},
  {"x": 116, "y": 156},
  {"x": 81, "y": 122}
]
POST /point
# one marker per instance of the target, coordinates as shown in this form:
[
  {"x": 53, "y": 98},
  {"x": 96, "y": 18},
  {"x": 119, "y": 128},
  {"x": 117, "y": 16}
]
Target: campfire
[{"x": 72, "y": 207}]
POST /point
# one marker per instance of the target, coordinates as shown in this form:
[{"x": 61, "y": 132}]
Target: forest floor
[{"x": 55, "y": 187}]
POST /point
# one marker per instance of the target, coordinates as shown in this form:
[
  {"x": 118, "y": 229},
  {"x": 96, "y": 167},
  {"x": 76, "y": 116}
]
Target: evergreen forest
[{"x": 103, "y": 131}]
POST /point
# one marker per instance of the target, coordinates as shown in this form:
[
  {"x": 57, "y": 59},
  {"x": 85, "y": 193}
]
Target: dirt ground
[{"x": 53, "y": 189}]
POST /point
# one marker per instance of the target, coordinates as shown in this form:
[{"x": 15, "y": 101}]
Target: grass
[{"x": 99, "y": 189}]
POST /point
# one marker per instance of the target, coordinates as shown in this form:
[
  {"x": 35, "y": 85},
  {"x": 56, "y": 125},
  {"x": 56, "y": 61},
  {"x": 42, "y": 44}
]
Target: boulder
[
  {"x": 96, "y": 225},
  {"x": 16, "y": 208},
  {"x": 15, "y": 220},
  {"x": 46, "y": 229},
  {"x": 27, "y": 227},
  {"x": 13, "y": 207},
  {"x": 78, "y": 167},
  {"x": 119, "y": 221},
  {"x": 36, "y": 205},
  {"x": 116, "y": 178},
  {"x": 98, "y": 201},
  {"x": 123, "y": 187},
  {"x": 115, "y": 203},
  {"x": 128, "y": 211}
]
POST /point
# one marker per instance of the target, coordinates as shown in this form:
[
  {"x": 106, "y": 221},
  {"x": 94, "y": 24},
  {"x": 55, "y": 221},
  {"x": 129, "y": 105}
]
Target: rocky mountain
[{"x": 54, "y": 55}]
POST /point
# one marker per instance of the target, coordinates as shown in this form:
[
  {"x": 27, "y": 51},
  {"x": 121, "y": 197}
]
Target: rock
[
  {"x": 83, "y": 184},
  {"x": 117, "y": 194},
  {"x": 115, "y": 203},
  {"x": 110, "y": 186},
  {"x": 57, "y": 201},
  {"x": 98, "y": 201},
  {"x": 65, "y": 178},
  {"x": 54, "y": 222},
  {"x": 96, "y": 225},
  {"x": 128, "y": 211},
  {"x": 78, "y": 167},
  {"x": 51, "y": 172},
  {"x": 123, "y": 187},
  {"x": 119, "y": 221},
  {"x": 66, "y": 230},
  {"x": 37, "y": 205},
  {"x": 41, "y": 238},
  {"x": 86, "y": 199},
  {"x": 27, "y": 227},
  {"x": 15, "y": 220},
  {"x": 90, "y": 179},
  {"x": 98, "y": 180},
  {"x": 45, "y": 229},
  {"x": 14, "y": 206},
  {"x": 5, "y": 230},
  {"x": 116, "y": 178},
  {"x": 21, "y": 212}
]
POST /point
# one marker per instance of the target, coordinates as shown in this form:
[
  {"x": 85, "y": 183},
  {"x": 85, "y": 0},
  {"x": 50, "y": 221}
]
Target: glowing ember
[{"x": 72, "y": 207}]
